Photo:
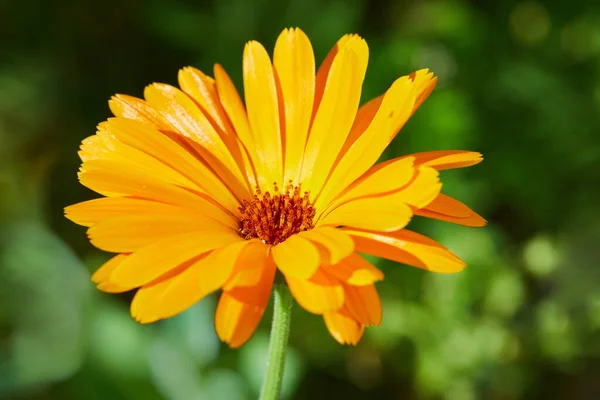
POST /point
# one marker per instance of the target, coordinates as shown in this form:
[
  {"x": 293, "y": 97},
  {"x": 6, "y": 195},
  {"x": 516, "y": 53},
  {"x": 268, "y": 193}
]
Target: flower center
[{"x": 274, "y": 218}]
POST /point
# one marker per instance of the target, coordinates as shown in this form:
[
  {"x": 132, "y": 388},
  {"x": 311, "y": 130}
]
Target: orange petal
[
  {"x": 408, "y": 248},
  {"x": 136, "y": 109},
  {"x": 338, "y": 244},
  {"x": 90, "y": 212},
  {"x": 102, "y": 276},
  {"x": 363, "y": 304},
  {"x": 424, "y": 83},
  {"x": 129, "y": 233},
  {"x": 115, "y": 179},
  {"x": 249, "y": 266},
  {"x": 294, "y": 64},
  {"x": 325, "y": 67},
  {"x": 343, "y": 328},
  {"x": 446, "y": 208},
  {"x": 335, "y": 114},
  {"x": 187, "y": 119},
  {"x": 296, "y": 257},
  {"x": 105, "y": 146},
  {"x": 240, "y": 310},
  {"x": 394, "y": 111},
  {"x": 169, "y": 296},
  {"x": 263, "y": 113},
  {"x": 385, "y": 177},
  {"x": 317, "y": 295},
  {"x": 447, "y": 159},
  {"x": 152, "y": 261},
  {"x": 234, "y": 108},
  {"x": 354, "y": 270},
  {"x": 382, "y": 213},
  {"x": 171, "y": 153}
]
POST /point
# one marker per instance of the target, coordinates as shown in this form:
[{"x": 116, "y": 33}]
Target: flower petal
[
  {"x": 446, "y": 208},
  {"x": 104, "y": 145},
  {"x": 335, "y": 114},
  {"x": 337, "y": 242},
  {"x": 363, "y": 304},
  {"x": 249, "y": 266},
  {"x": 132, "y": 108},
  {"x": 172, "y": 154},
  {"x": 319, "y": 294},
  {"x": 354, "y": 270},
  {"x": 343, "y": 328},
  {"x": 263, "y": 113},
  {"x": 240, "y": 310},
  {"x": 294, "y": 64},
  {"x": 87, "y": 213},
  {"x": 394, "y": 111},
  {"x": 409, "y": 248},
  {"x": 447, "y": 159},
  {"x": 187, "y": 119},
  {"x": 385, "y": 177},
  {"x": 296, "y": 257},
  {"x": 171, "y": 295},
  {"x": 383, "y": 213},
  {"x": 424, "y": 83},
  {"x": 129, "y": 233},
  {"x": 102, "y": 275},
  {"x": 116, "y": 179},
  {"x": 151, "y": 262}
]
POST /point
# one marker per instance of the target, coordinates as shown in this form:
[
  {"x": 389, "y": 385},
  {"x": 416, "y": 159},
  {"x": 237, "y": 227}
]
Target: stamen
[{"x": 274, "y": 218}]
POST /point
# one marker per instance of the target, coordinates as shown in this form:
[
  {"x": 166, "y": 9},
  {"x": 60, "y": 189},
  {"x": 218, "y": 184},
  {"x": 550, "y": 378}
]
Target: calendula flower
[{"x": 205, "y": 192}]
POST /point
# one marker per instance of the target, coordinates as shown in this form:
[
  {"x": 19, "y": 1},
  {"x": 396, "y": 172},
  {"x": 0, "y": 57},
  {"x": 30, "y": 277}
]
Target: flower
[{"x": 202, "y": 192}]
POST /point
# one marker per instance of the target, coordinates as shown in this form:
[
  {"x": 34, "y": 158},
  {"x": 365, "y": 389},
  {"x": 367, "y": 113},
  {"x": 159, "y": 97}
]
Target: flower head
[{"x": 205, "y": 192}]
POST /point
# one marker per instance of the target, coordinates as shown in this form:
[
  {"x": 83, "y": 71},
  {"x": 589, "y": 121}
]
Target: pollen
[{"x": 272, "y": 218}]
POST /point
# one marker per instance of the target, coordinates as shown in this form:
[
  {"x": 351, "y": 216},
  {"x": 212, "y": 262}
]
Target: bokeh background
[{"x": 519, "y": 81}]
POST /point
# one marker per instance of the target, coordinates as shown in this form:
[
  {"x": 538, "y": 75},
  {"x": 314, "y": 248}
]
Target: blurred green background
[{"x": 519, "y": 81}]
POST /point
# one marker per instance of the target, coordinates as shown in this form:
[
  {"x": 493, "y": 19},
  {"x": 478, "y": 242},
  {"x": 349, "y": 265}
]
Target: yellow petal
[
  {"x": 187, "y": 119},
  {"x": 102, "y": 276},
  {"x": 164, "y": 298},
  {"x": 152, "y": 261},
  {"x": 317, "y": 295},
  {"x": 132, "y": 108},
  {"x": 249, "y": 266},
  {"x": 363, "y": 304},
  {"x": 343, "y": 328},
  {"x": 385, "y": 177},
  {"x": 129, "y": 233},
  {"x": 447, "y": 159},
  {"x": 115, "y": 179},
  {"x": 240, "y": 310},
  {"x": 89, "y": 212},
  {"x": 296, "y": 257},
  {"x": 263, "y": 114},
  {"x": 338, "y": 244},
  {"x": 363, "y": 153},
  {"x": 354, "y": 270},
  {"x": 325, "y": 67},
  {"x": 382, "y": 213},
  {"x": 106, "y": 146},
  {"x": 408, "y": 248},
  {"x": 335, "y": 115},
  {"x": 424, "y": 83},
  {"x": 294, "y": 63},
  {"x": 175, "y": 156},
  {"x": 363, "y": 119}
]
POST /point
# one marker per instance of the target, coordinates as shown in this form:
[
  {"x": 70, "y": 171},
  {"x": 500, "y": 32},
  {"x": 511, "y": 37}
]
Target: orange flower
[{"x": 203, "y": 193}]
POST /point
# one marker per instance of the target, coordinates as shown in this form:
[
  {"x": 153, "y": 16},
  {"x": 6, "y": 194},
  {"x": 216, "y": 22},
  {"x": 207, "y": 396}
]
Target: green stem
[{"x": 280, "y": 331}]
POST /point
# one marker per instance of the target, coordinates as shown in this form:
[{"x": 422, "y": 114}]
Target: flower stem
[{"x": 280, "y": 331}]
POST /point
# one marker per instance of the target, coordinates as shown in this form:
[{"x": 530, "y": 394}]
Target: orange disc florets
[{"x": 274, "y": 218}]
